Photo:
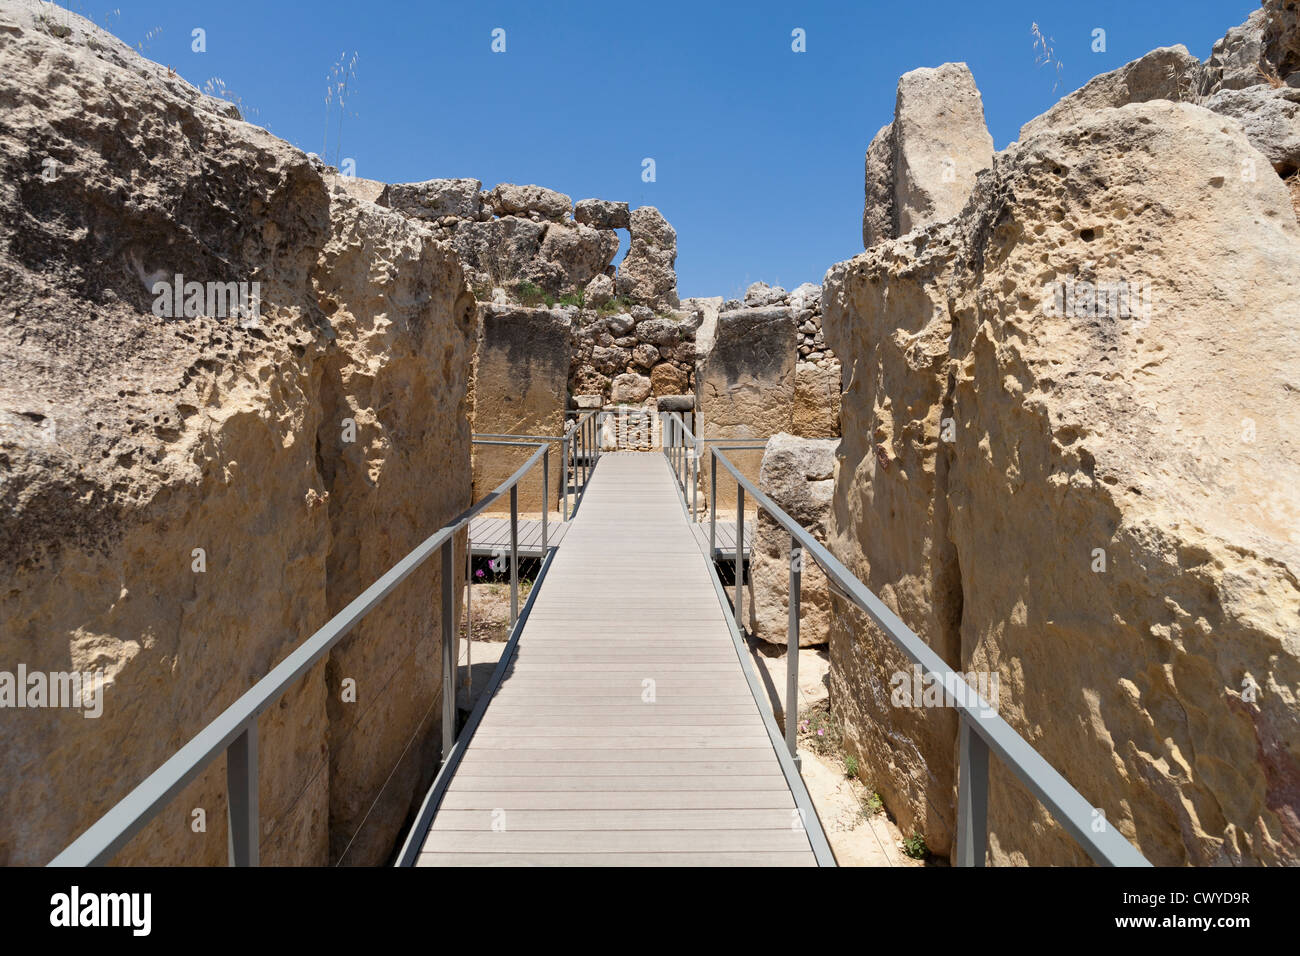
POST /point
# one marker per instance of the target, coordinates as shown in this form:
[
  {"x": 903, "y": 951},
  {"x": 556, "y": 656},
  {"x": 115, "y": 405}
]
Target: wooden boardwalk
[
  {"x": 490, "y": 535},
  {"x": 625, "y": 731}
]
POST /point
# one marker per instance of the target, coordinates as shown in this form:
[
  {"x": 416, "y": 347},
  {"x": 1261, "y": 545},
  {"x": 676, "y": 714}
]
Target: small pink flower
[{"x": 820, "y": 732}]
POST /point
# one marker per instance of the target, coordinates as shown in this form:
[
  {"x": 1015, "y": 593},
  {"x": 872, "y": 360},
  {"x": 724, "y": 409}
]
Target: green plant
[
  {"x": 872, "y": 804},
  {"x": 529, "y": 293},
  {"x": 914, "y": 846},
  {"x": 617, "y": 304},
  {"x": 820, "y": 731},
  {"x": 850, "y": 766},
  {"x": 578, "y": 298}
]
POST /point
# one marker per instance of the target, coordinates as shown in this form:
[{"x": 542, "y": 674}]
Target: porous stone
[
  {"x": 185, "y": 500},
  {"x": 1167, "y": 73},
  {"x": 1271, "y": 119},
  {"x": 798, "y": 474},
  {"x": 508, "y": 199},
  {"x": 521, "y": 384},
  {"x": 602, "y": 214},
  {"x": 879, "y": 220},
  {"x": 435, "y": 198},
  {"x": 940, "y": 143},
  {"x": 629, "y": 388},
  {"x": 1140, "y": 614},
  {"x": 582, "y": 252},
  {"x": 646, "y": 273},
  {"x": 667, "y": 379},
  {"x": 599, "y": 290}
]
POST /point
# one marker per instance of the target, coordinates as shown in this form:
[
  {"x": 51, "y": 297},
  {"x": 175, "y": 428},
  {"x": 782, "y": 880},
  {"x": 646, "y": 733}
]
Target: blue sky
[{"x": 758, "y": 149}]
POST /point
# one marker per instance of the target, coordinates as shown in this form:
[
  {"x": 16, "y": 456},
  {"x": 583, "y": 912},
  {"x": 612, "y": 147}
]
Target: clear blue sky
[{"x": 758, "y": 149}]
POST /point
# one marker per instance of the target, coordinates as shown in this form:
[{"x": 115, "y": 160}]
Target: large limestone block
[
  {"x": 745, "y": 385},
  {"x": 435, "y": 198},
  {"x": 1271, "y": 120},
  {"x": 521, "y": 387},
  {"x": 1167, "y": 446},
  {"x": 602, "y": 213},
  {"x": 940, "y": 142},
  {"x": 1078, "y": 502},
  {"x": 887, "y": 316},
  {"x": 798, "y": 474},
  {"x": 176, "y": 510},
  {"x": 399, "y": 369},
  {"x": 1282, "y": 39},
  {"x": 507, "y": 199},
  {"x": 1237, "y": 60},
  {"x": 647, "y": 273},
  {"x": 583, "y": 253},
  {"x": 879, "y": 221},
  {"x": 816, "y": 412},
  {"x": 504, "y": 249},
  {"x": 1167, "y": 73}
]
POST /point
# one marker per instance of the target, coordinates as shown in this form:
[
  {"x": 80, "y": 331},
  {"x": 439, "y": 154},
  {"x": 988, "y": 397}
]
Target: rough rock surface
[
  {"x": 1096, "y": 506},
  {"x": 629, "y": 389},
  {"x": 1167, "y": 73},
  {"x": 646, "y": 273},
  {"x": 879, "y": 221},
  {"x": 521, "y": 387},
  {"x": 602, "y": 213},
  {"x": 745, "y": 384},
  {"x": 940, "y": 143},
  {"x": 583, "y": 253},
  {"x": 816, "y": 412},
  {"x": 1237, "y": 60},
  {"x": 1271, "y": 118},
  {"x": 799, "y": 475},
  {"x": 435, "y": 198},
  {"x": 507, "y": 199},
  {"x": 130, "y": 441}
]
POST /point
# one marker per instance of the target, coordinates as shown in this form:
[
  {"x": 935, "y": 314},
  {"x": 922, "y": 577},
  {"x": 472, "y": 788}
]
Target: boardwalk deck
[
  {"x": 625, "y": 731},
  {"x": 488, "y": 535}
]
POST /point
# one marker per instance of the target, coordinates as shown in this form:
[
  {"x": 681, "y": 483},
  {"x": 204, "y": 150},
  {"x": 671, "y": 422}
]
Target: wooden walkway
[
  {"x": 625, "y": 732},
  {"x": 489, "y": 535}
]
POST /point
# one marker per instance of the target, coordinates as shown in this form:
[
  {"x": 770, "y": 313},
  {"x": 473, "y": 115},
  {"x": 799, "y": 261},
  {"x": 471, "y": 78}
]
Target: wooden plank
[
  {"x": 517, "y": 820},
  {"x": 763, "y": 859},
  {"x": 615, "y": 800},
  {"x": 587, "y": 771},
  {"x": 608, "y": 841}
]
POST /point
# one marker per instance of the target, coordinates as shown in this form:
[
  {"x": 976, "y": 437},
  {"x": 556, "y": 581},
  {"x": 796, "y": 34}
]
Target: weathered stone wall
[
  {"x": 799, "y": 475},
  {"x": 1081, "y": 500},
  {"x": 521, "y": 376},
  {"x": 745, "y": 387},
  {"x": 128, "y": 440}
]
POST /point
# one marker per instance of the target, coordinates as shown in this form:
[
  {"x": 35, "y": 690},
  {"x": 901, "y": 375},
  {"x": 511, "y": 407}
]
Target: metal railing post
[
  {"x": 713, "y": 501},
  {"x": 972, "y": 797},
  {"x": 546, "y": 492},
  {"x": 740, "y": 547},
  {"x": 514, "y": 553},
  {"x": 695, "y": 479},
  {"x": 792, "y": 652},
  {"x": 448, "y": 648},
  {"x": 241, "y": 798},
  {"x": 469, "y": 617},
  {"x": 564, "y": 474}
]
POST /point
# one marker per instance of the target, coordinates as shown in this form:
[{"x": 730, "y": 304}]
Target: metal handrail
[
  {"x": 580, "y": 437},
  {"x": 982, "y": 729},
  {"x": 234, "y": 731}
]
